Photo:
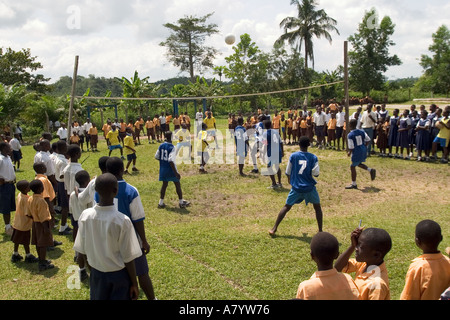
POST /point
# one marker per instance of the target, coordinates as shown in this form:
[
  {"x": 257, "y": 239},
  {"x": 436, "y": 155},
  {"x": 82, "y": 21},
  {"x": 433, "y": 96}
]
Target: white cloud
[{"x": 116, "y": 37}]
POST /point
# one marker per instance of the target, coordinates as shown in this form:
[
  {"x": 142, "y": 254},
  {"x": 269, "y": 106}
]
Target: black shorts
[
  {"x": 61, "y": 193},
  {"x": 7, "y": 198}
]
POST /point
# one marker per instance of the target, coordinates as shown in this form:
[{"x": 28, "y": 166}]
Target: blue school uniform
[
  {"x": 393, "y": 132},
  {"x": 412, "y": 132},
  {"x": 356, "y": 141},
  {"x": 301, "y": 168},
  {"x": 423, "y": 136},
  {"x": 240, "y": 138},
  {"x": 166, "y": 154},
  {"x": 274, "y": 149},
  {"x": 403, "y": 136}
]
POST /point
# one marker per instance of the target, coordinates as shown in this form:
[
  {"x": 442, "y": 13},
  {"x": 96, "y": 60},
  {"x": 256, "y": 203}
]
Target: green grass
[{"x": 219, "y": 248}]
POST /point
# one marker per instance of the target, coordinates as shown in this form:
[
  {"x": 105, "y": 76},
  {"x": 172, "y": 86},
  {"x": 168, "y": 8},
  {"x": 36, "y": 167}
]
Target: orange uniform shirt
[
  {"x": 22, "y": 222},
  {"x": 49, "y": 192},
  {"x": 427, "y": 278},
  {"x": 176, "y": 121},
  {"x": 373, "y": 284},
  {"x": 38, "y": 208},
  {"x": 123, "y": 127},
  {"x": 276, "y": 122},
  {"x": 304, "y": 124},
  {"x": 106, "y": 128},
  {"x": 289, "y": 122},
  {"x": 93, "y": 131},
  {"x": 328, "y": 285},
  {"x": 149, "y": 124},
  {"x": 332, "y": 124}
]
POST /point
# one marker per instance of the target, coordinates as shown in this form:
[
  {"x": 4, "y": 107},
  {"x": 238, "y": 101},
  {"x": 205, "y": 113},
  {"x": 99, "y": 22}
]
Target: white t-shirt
[
  {"x": 107, "y": 237},
  {"x": 62, "y": 133},
  {"x": 44, "y": 157},
  {"x": 15, "y": 144},
  {"x": 366, "y": 122},
  {"x": 319, "y": 119},
  {"x": 340, "y": 119},
  {"x": 7, "y": 169}
]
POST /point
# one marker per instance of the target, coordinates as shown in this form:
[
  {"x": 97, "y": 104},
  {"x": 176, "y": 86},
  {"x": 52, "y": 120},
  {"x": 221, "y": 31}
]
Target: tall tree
[
  {"x": 16, "y": 67},
  {"x": 369, "y": 58},
  {"x": 186, "y": 47},
  {"x": 309, "y": 23},
  {"x": 436, "y": 77}
]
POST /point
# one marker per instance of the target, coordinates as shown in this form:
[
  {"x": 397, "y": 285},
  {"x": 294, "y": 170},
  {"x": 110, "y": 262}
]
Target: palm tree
[
  {"x": 133, "y": 88},
  {"x": 309, "y": 23}
]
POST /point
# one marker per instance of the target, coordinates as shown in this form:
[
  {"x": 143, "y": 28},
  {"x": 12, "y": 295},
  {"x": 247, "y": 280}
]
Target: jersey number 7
[{"x": 303, "y": 165}]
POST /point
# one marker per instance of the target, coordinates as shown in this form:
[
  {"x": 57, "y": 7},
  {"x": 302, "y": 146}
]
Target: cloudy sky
[{"x": 117, "y": 37}]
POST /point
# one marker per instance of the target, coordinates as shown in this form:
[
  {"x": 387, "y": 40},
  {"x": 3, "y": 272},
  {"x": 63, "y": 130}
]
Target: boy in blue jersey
[
  {"x": 357, "y": 141},
  {"x": 301, "y": 170},
  {"x": 241, "y": 140},
  {"x": 273, "y": 149},
  {"x": 128, "y": 202},
  {"x": 166, "y": 155}
]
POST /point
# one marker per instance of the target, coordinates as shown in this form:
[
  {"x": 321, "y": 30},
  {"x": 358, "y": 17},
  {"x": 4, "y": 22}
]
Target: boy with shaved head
[
  {"x": 107, "y": 239},
  {"x": 327, "y": 283},
  {"x": 371, "y": 277},
  {"x": 429, "y": 274}
]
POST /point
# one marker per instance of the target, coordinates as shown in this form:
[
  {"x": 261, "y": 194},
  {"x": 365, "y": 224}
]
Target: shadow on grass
[
  {"x": 370, "y": 190},
  {"x": 304, "y": 237},
  {"x": 33, "y": 268},
  {"x": 5, "y": 238},
  {"x": 177, "y": 210}
]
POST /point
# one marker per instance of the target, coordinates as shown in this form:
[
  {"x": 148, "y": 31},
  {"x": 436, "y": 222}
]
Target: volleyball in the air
[{"x": 230, "y": 39}]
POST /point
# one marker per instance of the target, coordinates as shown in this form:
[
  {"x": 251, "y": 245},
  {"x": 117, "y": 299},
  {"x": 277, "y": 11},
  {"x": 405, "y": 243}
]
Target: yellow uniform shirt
[
  {"x": 373, "y": 284},
  {"x": 22, "y": 222},
  {"x": 113, "y": 137},
  {"x": 128, "y": 142},
  {"x": 328, "y": 285},
  {"x": 210, "y": 122},
  {"x": 183, "y": 136},
  {"x": 444, "y": 133},
  {"x": 202, "y": 144},
  {"x": 427, "y": 278}
]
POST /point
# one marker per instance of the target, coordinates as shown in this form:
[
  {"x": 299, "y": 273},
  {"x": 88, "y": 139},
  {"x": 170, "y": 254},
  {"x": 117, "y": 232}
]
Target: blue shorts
[
  {"x": 295, "y": 197},
  {"x": 357, "y": 163},
  {"x": 117, "y": 146},
  {"x": 131, "y": 156},
  {"x": 141, "y": 265},
  {"x": 441, "y": 141}
]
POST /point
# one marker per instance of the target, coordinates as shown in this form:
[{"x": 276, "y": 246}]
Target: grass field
[{"x": 219, "y": 248}]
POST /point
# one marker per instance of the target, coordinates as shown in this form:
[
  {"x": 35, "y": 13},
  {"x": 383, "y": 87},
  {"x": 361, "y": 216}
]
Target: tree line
[{"x": 290, "y": 64}]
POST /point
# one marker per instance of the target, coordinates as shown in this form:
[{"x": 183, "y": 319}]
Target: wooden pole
[
  {"x": 72, "y": 96},
  {"x": 347, "y": 100}
]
